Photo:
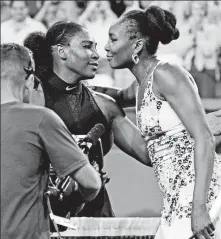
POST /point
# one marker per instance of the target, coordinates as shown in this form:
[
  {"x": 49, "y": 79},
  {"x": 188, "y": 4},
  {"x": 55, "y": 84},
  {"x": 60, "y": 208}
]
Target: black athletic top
[{"x": 76, "y": 106}]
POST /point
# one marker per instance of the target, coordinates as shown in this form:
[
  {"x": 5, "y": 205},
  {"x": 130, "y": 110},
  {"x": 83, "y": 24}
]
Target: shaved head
[
  {"x": 14, "y": 58},
  {"x": 17, "y": 72}
]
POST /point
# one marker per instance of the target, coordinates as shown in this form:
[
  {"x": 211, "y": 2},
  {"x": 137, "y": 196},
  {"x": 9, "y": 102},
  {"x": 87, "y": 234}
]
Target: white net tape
[
  {"x": 101, "y": 227},
  {"x": 119, "y": 227}
]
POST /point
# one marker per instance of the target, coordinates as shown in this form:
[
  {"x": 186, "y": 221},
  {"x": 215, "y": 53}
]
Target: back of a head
[
  {"x": 41, "y": 45},
  {"x": 157, "y": 24},
  {"x": 160, "y": 24},
  {"x": 14, "y": 59},
  {"x": 36, "y": 42}
]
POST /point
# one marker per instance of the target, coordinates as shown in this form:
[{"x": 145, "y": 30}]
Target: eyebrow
[
  {"x": 90, "y": 42},
  {"x": 111, "y": 34}
]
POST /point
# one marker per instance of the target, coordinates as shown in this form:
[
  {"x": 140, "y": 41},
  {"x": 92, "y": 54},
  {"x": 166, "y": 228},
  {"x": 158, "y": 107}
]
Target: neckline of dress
[{"x": 147, "y": 80}]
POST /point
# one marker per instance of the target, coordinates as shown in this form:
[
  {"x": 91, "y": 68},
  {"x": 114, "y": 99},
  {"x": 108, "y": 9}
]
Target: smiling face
[
  {"x": 82, "y": 57},
  {"x": 119, "y": 47}
]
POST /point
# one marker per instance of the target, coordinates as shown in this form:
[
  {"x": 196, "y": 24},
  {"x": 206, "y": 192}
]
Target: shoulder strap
[
  {"x": 154, "y": 68},
  {"x": 160, "y": 62}
]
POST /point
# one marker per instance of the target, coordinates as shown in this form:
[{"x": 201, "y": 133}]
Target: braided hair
[
  {"x": 41, "y": 45},
  {"x": 157, "y": 24}
]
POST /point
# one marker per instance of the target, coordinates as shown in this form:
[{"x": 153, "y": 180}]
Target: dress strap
[
  {"x": 160, "y": 62},
  {"x": 154, "y": 68},
  {"x": 148, "y": 84}
]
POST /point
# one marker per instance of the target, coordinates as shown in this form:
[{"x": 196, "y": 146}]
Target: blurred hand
[
  {"x": 95, "y": 166},
  {"x": 104, "y": 177},
  {"x": 214, "y": 120},
  {"x": 72, "y": 187}
]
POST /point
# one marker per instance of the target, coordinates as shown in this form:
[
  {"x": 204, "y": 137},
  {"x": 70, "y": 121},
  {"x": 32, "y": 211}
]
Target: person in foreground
[
  {"x": 65, "y": 57},
  {"x": 172, "y": 120},
  {"x": 31, "y": 138}
]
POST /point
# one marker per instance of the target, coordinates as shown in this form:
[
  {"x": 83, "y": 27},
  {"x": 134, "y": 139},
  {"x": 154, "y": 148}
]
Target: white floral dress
[{"x": 171, "y": 150}]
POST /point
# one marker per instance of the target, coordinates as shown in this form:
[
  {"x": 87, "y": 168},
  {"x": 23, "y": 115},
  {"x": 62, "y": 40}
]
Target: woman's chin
[
  {"x": 117, "y": 67},
  {"x": 90, "y": 75},
  {"x": 113, "y": 65}
]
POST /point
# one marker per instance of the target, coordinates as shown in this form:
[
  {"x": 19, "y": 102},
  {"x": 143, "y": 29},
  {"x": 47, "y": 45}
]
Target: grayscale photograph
[{"x": 110, "y": 119}]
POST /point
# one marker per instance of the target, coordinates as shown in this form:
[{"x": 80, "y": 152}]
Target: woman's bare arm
[
  {"x": 172, "y": 83},
  {"x": 126, "y": 135},
  {"x": 128, "y": 139},
  {"x": 124, "y": 97}
]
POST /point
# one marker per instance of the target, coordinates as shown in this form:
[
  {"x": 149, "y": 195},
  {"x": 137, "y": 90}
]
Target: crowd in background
[{"x": 198, "y": 49}]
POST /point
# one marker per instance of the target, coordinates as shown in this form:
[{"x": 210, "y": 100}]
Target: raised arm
[
  {"x": 172, "y": 82},
  {"x": 124, "y": 97},
  {"x": 91, "y": 5},
  {"x": 66, "y": 157},
  {"x": 40, "y": 16}
]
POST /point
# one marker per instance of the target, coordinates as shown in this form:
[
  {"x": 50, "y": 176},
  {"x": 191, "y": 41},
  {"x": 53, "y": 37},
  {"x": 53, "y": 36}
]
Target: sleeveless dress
[
  {"x": 79, "y": 111},
  {"x": 171, "y": 150}
]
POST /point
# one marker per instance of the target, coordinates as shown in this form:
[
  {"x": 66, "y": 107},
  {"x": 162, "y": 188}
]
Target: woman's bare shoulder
[
  {"x": 172, "y": 69},
  {"x": 170, "y": 74}
]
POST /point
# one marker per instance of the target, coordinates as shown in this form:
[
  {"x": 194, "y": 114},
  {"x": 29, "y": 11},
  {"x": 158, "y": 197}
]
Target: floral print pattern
[{"x": 172, "y": 156}]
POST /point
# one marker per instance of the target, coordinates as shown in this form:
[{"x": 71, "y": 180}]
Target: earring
[{"x": 135, "y": 58}]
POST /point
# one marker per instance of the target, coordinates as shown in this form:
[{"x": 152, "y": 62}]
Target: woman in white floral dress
[{"x": 172, "y": 121}]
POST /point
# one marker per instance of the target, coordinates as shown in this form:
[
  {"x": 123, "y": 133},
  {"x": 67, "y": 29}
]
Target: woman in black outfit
[{"x": 64, "y": 57}]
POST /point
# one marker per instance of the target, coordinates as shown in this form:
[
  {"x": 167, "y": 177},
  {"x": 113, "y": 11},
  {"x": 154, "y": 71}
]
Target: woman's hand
[
  {"x": 201, "y": 224},
  {"x": 214, "y": 120}
]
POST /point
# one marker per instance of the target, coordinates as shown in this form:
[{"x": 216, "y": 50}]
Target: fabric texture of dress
[{"x": 171, "y": 150}]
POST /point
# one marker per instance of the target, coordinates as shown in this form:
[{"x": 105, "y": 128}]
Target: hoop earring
[{"x": 135, "y": 58}]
